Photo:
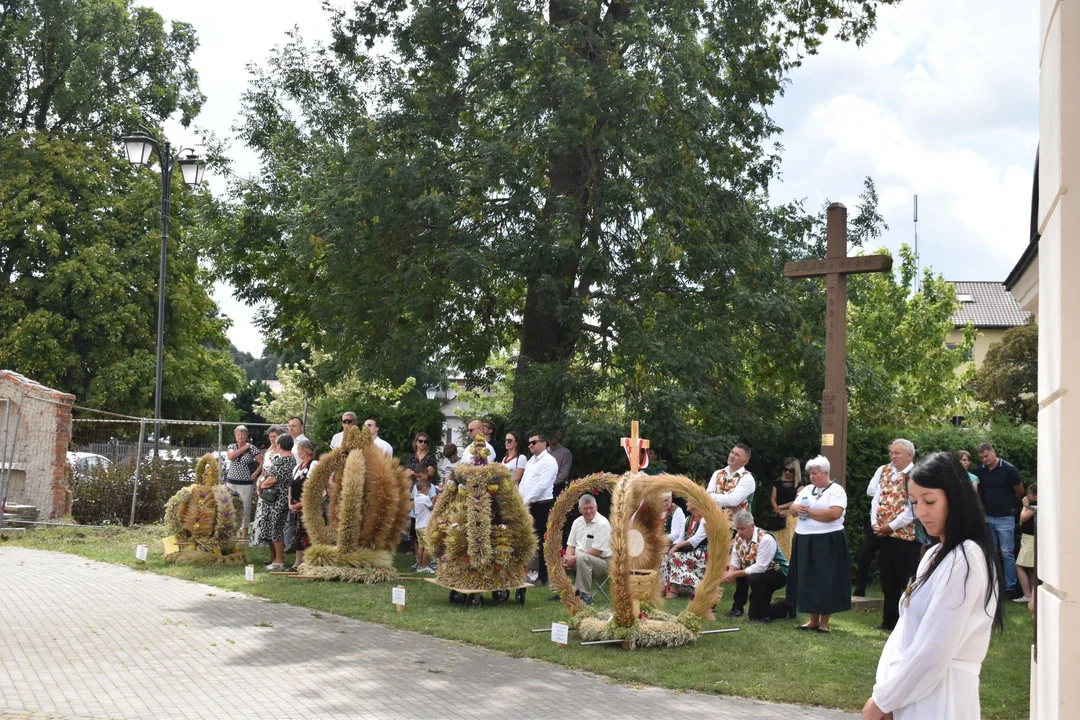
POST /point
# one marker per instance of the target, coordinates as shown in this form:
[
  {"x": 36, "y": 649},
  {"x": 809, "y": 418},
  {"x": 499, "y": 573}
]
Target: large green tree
[
  {"x": 80, "y": 229},
  {"x": 585, "y": 178}
]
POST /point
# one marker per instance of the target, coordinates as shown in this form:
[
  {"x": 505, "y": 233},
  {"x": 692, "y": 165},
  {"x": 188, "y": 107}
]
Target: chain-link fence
[{"x": 114, "y": 475}]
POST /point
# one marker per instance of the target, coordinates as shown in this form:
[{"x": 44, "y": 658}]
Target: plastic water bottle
[{"x": 805, "y": 503}]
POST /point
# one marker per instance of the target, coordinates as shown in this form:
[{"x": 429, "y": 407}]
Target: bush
[
  {"x": 398, "y": 421},
  {"x": 103, "y": 497}
]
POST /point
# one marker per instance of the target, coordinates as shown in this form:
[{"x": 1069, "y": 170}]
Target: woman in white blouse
[
  {"x": 515, "y": 459},
  {"x": 931, "y": 662},
  {"x": 819, "y": 575}
]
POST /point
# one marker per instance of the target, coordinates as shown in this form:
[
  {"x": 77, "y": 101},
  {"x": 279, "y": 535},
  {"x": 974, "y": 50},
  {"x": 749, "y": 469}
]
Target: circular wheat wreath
[
  {"x": 628, "y": 494},
  {"x": 560, "y": 581}
]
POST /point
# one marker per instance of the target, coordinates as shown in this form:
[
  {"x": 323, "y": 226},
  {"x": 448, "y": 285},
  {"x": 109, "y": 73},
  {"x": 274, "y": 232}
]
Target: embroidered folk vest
[
  {"x": 893, "y": 500},
  {"x": 667, "y": 520},
  {"x": 747, "y": 552},
  {"x": 726, "y": 484}
]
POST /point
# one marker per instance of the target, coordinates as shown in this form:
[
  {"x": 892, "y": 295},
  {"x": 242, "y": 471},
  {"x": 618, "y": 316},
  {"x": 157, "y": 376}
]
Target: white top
[
  {"x": 737, "y": 496},
  {"x": 766, "y": 551},
  {"x": 444, "y": 468},
  {"x": 930, "y": 665},
  {"x": 591, "y": 536},
  {"x": 335, "y": 442},
  {"x": 384, "y": 446},
  {"x": 833, "y": 496},
  {"x": 873, "y": 490},
  {"x": 296, "y": 470},
  {"x": 422, "y": 504},
  {"x": 678, "y": 524},
  {"x": 699, "y": 535},
  {"x": 517, "y": 463},
  {"x": 466, "y": 454},
  {"x": 538, "y": 482}
]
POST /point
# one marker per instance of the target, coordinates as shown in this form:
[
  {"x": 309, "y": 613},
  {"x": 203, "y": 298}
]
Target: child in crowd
[
  {"x": 1025, "y": 559},
  {"x": 423, "y": 501}
]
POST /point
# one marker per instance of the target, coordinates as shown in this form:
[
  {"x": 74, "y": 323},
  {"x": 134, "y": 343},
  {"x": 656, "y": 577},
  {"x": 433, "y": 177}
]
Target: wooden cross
[
  {"x": 633, "y": 446},
  {"x": 836, "y": 267}
]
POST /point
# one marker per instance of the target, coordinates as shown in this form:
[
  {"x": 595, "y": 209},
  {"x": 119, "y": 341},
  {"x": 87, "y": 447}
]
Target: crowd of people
[{"x": 925, "y": 519}]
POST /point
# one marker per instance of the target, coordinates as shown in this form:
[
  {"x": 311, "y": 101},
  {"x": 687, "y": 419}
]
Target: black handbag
[{"x": 269, "y": 494}]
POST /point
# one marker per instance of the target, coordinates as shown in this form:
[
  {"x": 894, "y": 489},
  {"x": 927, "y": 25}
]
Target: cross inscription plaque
[{"x": 836, "y": 267}]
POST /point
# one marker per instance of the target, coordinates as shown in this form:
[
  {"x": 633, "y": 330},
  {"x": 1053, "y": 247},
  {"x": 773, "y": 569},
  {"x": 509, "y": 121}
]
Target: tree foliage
[
  {"x": 93, "y": 66},
  {"x": 1008, "y": 381},
  {"x": 586, "y": 179},
  {"x": 80, "y": 229}
]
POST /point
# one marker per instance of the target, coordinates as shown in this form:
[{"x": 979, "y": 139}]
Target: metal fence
[{"x": 100, "y": 440}]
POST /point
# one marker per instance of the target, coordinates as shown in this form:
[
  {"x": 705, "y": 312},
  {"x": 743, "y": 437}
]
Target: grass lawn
[{"x": 770, "y": 662}]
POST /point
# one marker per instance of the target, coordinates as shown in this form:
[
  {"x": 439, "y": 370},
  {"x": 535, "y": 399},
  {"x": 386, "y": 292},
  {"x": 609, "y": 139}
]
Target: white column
[{"x": 1057, "y": 692}]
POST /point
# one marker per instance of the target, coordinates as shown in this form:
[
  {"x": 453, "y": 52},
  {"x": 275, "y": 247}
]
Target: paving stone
[{"x": 90, "y": 640}]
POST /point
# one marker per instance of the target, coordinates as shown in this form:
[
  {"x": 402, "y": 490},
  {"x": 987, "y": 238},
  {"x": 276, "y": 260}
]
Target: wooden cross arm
[{"x": 847, "y": 266}]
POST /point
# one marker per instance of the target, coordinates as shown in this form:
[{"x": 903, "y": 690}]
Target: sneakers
[
  {"x": 427, "y": 570},
  {"x": 532, "y": 576},
  {"x": 275, "y": 566},
  {"x": 734, "y": 612},
  {"x": 1022, "y": 600},
  {"x": 586, "y": 598},
  {"x": 414, "y": 567}
]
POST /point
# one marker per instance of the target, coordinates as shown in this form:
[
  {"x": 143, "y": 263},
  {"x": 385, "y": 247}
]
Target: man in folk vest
[
  {"x": 757, "y": 566},
  {"x": 732, "y": 487},
  {"x": 892, "y": 536}
]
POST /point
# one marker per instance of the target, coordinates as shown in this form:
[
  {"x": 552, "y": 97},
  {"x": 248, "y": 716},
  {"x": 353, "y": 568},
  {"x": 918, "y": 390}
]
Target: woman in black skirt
[{"x": 819, "y": 579}]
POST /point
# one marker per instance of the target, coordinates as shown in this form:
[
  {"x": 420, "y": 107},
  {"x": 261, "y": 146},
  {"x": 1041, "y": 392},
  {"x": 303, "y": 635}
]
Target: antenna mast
[{"x": 916, "y": 242}]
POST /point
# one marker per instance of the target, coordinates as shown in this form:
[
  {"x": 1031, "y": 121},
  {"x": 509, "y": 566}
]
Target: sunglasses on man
[{"x": 346, "y": 421}]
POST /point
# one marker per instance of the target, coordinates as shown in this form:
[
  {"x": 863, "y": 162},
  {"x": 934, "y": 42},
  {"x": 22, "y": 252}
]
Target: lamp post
[{"x": 140, "y": 146}]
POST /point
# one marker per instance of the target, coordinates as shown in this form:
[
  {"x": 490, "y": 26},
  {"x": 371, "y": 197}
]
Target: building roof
[{"x": 987, "y": 305}]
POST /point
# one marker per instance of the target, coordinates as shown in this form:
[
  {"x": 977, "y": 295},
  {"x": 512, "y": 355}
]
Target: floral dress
[
  {"x": 687, "y": 568},
  {"x": 272, "y": 515}
]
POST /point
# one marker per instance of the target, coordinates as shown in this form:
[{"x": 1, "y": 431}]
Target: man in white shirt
[
  {"x": 476, "y": 427},
  {"x": 536, "y": 491},
  {"x": 373, "y": 428},
  {"x": 758, "y": 567},
  {"x": 348, "y": 419},
  {"x": 732, "y": 487},
  {"x": 588, "y": 548},
  {"x": 891, "y": 532},
  {"x": 296, "y": 430}
]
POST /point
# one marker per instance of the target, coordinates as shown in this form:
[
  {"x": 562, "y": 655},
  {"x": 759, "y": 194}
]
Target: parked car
[{"x": 87, "y": 461}]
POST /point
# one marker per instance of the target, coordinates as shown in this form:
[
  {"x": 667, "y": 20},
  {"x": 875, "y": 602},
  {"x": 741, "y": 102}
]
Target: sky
[{"x": 942, "y": 102}]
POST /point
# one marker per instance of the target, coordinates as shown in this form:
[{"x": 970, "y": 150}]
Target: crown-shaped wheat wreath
[
  {"x": 204, "y": 519},
  {"x": 480, "y": 529},
  {"x": 637, "y": 547},
  {"x": 369, "y": 508}
]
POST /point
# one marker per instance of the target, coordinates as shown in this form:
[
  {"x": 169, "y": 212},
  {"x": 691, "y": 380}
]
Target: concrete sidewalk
[{"x": 84, "y": 639}]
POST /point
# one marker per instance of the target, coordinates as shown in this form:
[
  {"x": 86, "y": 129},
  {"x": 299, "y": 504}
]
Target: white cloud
[{"x": 942, "y": 102}]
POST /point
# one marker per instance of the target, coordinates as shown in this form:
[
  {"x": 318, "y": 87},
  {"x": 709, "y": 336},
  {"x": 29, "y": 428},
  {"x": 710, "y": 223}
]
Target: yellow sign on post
[
  {"x": 828, "y": 440},
  {"x": 171, "y": 545}
]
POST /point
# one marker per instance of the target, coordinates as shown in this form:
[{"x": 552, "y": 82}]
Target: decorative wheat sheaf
[
  {"x": 637, "y": 618},
  {"x": 480, "y": 529},
  {"x": 204, "y": 519},
  {"x": 369, "y": 508}
]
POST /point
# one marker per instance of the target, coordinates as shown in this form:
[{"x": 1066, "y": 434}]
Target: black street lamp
[{"x": 140, "y": 146}]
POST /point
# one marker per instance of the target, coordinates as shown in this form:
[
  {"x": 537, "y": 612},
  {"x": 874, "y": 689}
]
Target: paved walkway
[{"x": 84, "y": 639}]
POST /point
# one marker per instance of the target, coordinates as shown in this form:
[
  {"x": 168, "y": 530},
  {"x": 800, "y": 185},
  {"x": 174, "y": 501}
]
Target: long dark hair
[
  {"x": 517, "y": 441},
  {"x": 965, "y": 521}
]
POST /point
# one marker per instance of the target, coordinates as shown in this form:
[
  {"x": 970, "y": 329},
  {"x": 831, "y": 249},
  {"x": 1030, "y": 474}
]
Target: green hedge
[
  {"x": 398, "y": 421},
  {"x": 103, "y": 497}
]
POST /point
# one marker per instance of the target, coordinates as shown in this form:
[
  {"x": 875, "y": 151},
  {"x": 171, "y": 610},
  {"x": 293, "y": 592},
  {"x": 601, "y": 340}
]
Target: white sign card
[
  {"x": 399, "y": 595},
  {"x": 560, "y": 633},
  {"x": 249, "y": 573},
  {"x": 140, "y": 552}
]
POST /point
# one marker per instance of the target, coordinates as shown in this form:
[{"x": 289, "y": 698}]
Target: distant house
[{"x": 991, "y": 308}]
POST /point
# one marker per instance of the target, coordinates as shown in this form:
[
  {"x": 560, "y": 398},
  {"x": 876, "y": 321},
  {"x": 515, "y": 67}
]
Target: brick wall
[{"x": 43, "y": 418}]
